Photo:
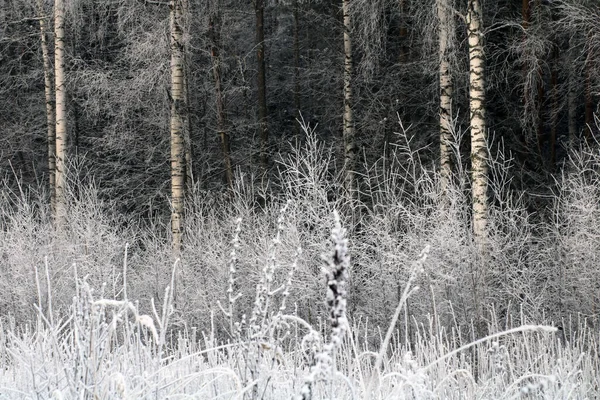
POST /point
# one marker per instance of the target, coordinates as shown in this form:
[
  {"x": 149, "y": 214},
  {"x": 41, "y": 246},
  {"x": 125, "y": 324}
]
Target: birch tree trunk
[
  {"x": 477, "y": 120},
  {"x": 446, "y": 89},
  {"x": 214, "y": 33},
  {"x": 178, "y": 108},
  {"x": 61, "y": 113},
  {"x": 350, "y": 148},
  {"x": 50, "y": 112},
  {"x": 259, "y": 9},
  {"x": 187, "y": 126}
]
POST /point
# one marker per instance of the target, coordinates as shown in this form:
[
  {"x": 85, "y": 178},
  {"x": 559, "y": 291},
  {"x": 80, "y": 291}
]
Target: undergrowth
[{"x": 401, "y": 305}]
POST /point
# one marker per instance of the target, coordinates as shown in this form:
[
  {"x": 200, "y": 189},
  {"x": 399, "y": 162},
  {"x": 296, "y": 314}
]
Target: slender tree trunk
[
  {"x": 61, "y": 113},
  {"x": 50, "y": 112},
  {"x": 526, "y": 13},
  {"x": 178, "y": 108},
  {"x": 446, "y": 89},
  {"x": 589, "y": 113},
  {"x": 527, "y": 103},
  {"x": 477, "y": 120},
  {"x": 185, "y": 113},
  {"x": 404, "y": 48},
  {"x": 3, "y": 12},
  {"x": 76, "y": 126},
  {"x": 187, "y": 127},
  {"x": 350, "y": 148},
  {"x": 296, "y": 67},
  {"x": 555, "y": 104},
  {"x": 259, "y": 9},
  {"x": 572, "y": 96},
  {"x": 541, "y": 98},
  {"x": 214, "y": 33}
]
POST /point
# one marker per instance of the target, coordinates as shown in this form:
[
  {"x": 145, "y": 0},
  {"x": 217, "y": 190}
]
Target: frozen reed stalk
[
  {"x": 40, "y": 294},
  {"x": 278, "y": 323},
  {"x": 125, "y": 272},
  {"x": 231, "y": 297},
  {"x": 337, "y": 274},
  {"x": 264, "y": 289},
  {"x": 288, "y": 282},
  {"x": 49, "y": 288},
  {"x": 408, "y": 290},
  {"x": 523, "y": 328}
]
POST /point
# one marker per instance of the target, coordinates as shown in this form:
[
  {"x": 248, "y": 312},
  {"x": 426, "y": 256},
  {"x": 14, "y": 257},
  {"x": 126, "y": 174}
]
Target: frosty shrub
[
  {"x": 574, "y": 279},
  {"x": 97, "y": 309}
]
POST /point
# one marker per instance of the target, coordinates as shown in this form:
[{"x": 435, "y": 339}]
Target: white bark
[
  {"x": 50, "y": 116},
  {"x": 477, "y": 120},
  {"x": 446, "y": 26},
  {"x": 350, "y": 148},
  {"x": 61, "y": 111},
  {"x": 177, "y": 125}
]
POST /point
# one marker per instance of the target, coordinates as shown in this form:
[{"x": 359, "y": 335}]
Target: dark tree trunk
[
  {"x": 259, "y": 8},
  {"x": 214, "y": 29}
]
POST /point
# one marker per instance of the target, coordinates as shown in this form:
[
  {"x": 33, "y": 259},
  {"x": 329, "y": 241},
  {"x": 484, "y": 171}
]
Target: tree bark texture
[
  {"x": 214, "y": 33},
  {"x": 477, "y": 120},
  {"x": 178, "y": 108},
  {"x": 446, "y": 89},
  {"x": 50, "y": 111},
  {"x": 187, "y": 127},
  {"x": 61, "y": 113},
  {"x": 350, "y": 147},
  {"x": 259, "y": 9}
]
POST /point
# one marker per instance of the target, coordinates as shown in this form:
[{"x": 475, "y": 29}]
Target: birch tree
[
  {"x": 350, "y": 148},
  {"x": 61, "y": 111},
  {"x": 178, "y": 109},
  {"x": 477, "y": 119},
  {"x": 50, "y": 113},
  {"x": 446, "y": 28}
]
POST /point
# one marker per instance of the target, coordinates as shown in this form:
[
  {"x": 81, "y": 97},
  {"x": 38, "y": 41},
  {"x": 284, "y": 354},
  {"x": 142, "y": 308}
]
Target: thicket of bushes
[{"x": 74, "y": 323}]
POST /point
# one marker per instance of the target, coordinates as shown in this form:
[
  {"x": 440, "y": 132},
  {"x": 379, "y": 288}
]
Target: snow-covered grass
[
  {"x": 100, "y": 309},
  {"x": 104, "y": 348}
]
